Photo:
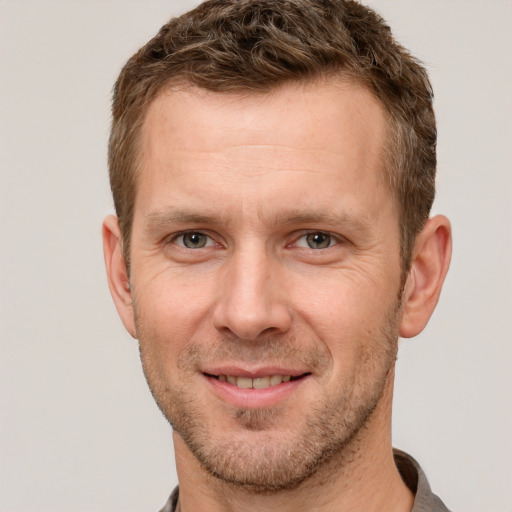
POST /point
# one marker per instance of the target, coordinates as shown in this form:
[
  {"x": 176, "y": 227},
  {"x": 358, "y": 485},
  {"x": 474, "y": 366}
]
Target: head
[
  {"x": 272, "y": 165},
  {"x": 254, "y": 47}
]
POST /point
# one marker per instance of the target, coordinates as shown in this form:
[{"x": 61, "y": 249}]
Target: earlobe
[
  {"x": 117, "y": 275},
  {"x": 429, "y": 265}
]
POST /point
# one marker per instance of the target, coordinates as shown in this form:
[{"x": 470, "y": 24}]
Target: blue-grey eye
[
  {"x": 318, "y": 240},
  {"x": 194, "y": 240}
]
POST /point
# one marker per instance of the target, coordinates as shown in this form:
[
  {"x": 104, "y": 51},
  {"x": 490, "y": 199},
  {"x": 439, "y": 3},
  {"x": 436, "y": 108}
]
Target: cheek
[
  {"x": 169, "y": 311},
  {"x": 171, "y": 299},
  {"x": 342, "y": 301},
  {"x": 349, "y": 317}
]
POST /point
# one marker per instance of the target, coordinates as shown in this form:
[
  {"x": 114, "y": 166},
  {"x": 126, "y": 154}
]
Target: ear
[
  {"x": 429, "y": 265},
  {"x": 117, "y": 274}
]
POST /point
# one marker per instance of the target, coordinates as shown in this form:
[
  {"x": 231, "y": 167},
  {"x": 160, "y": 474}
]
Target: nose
[{"x": 252, "y": 300}]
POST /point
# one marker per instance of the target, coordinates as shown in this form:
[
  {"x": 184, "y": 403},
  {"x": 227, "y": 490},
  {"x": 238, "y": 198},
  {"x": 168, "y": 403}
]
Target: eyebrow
[
  {"x": 162, "y": 218},
  {"x": 321, "y": 217}
]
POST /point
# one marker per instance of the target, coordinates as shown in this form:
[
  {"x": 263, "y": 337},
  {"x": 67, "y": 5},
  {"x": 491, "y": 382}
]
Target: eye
[
  {"x": 316, "y": 240},
  {"x": 193, "y": 240}
]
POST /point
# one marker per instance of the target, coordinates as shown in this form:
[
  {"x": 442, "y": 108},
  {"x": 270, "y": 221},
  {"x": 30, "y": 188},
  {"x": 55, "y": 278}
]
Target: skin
[{"x": 253, "y": 181}]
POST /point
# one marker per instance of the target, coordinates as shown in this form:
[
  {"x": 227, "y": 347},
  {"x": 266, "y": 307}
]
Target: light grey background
[{"x": 78, "y": 427}]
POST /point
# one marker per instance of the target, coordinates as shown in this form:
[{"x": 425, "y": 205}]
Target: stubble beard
[{"x": 329, "y": 433}]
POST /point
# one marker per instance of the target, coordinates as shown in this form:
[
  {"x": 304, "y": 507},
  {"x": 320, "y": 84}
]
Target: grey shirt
[{"x": 410, "y": 471}]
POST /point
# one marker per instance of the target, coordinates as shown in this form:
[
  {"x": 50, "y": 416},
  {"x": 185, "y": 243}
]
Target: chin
[{"x": 262, "y": 451}]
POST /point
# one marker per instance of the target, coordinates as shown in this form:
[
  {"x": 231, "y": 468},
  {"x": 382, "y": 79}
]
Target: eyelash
[
  {"x": 331, "y": 239},
  {"x": 174, "y": 239}
]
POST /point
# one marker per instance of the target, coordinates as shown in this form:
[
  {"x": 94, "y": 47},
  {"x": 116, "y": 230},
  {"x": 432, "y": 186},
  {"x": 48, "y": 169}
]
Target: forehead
[
  {"x": 302, "y": 137},
  {"x": 194, "y": 117}
]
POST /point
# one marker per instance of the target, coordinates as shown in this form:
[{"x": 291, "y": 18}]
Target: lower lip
[{"x": 254, "y": 398}]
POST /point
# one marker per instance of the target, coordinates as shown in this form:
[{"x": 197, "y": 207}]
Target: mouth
[{"x": 260, "y": 382}]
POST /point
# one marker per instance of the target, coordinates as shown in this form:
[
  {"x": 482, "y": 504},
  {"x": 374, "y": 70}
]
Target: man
[{"x": 272, "y": 166}]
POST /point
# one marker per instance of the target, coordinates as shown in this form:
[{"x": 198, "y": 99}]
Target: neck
[{"x": 362, "y": 477}]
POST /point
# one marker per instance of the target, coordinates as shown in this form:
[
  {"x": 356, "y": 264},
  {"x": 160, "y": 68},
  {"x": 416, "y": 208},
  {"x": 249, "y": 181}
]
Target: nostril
[{"x": 251, "y": 314}]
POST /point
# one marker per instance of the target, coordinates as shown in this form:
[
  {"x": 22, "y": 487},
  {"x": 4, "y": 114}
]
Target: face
[{"x": 266, "y": 275}]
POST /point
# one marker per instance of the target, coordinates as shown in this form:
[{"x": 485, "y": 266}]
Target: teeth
[
  {"x": 261, "y": 383},
  {"x": 276, "y": 379},
  {"x": 244, "y": 382},
  {"x": 257, "y": 383}
]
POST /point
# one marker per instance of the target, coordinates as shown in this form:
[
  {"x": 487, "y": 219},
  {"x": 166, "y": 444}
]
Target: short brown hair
[{"x": 258, "y": 45}]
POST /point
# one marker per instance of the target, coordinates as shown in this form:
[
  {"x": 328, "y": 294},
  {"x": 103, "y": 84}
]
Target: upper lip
[{"x": 253, "y": 373}]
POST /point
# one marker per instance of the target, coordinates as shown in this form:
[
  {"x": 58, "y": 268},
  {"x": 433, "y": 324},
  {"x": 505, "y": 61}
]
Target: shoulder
[
  {"x": 172, "y": 502},
  {"x": 414, "y": 477}
]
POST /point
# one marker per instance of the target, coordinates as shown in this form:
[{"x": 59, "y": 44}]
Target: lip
[
  {"x": 254, "y": 373},
  {"x": 254, "y": 398}
]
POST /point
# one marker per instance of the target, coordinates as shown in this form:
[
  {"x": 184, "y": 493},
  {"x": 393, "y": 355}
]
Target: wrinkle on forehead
[
  {"x": 262, "y": 155},
  {"x": 251, "y": 118}
]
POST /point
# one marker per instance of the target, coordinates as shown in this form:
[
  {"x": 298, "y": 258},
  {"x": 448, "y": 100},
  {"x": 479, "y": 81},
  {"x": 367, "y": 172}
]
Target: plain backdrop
[{"x": 78, "y": 428}]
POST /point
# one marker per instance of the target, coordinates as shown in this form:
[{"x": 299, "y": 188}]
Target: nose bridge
[{"x": 250, "y": 302}]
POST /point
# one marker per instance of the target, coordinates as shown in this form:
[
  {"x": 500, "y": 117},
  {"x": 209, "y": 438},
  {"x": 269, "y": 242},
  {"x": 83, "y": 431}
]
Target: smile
[{"x": 257, "y": 382}]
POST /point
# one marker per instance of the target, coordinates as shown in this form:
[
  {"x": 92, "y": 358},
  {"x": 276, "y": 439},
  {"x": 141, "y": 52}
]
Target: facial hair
[{"x": 260, "y": 460}]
